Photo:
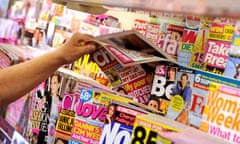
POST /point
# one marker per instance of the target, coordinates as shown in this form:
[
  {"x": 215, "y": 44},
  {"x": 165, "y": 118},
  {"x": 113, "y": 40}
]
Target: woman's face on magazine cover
[
  {"x": 55, "y": 84},
  {"x": 171, "y": 74},
  {"x": 111, "y": 110}
]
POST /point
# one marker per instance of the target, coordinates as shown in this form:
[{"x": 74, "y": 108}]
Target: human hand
[{"x": 74, "y": 48}]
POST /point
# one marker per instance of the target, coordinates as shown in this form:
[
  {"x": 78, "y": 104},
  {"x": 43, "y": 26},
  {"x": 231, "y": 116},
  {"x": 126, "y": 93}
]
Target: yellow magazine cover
[{"x": 147, "y": 129}]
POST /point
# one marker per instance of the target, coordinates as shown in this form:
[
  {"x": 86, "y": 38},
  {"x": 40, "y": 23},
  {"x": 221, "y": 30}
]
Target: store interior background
[{"x": 19, "y": 19}]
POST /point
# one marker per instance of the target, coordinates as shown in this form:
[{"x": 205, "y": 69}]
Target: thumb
[{"x": 86, "y": 49}]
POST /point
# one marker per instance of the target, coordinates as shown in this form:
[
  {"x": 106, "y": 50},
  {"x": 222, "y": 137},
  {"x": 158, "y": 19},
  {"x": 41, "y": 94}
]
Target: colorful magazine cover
[
  {"x": 200, "y": 90},
  {"x": 163, "y": 83},
  {"x": 66, "y": 107},
  {"x": 17, "y": 114},
  {"x": 18, "y": 139},
  {"x": 147, "y": 129},
  {"x": 85, "y": 132},
  {"x": 87, "y": 67},
  {"x": 6, "y": 131},
  {"x": 217, "y": 47},
  {"x": 215, "y": 56},
  {"x": 232, "y": 68},
  {"x": 119, "y": 122},
  {"x": 178, "y": 108},
  {"x": 129, "y": 81},
  {"x": 200, "y": 43},
  {"x": 220, "y": 116},
  {"x": 54, "y": 92},
  {"x": 190, "y": 33},
  {"x": 170, "y": 38},
  {"x": 116, "y": 133},
  {"x": 38, "y": 115}
]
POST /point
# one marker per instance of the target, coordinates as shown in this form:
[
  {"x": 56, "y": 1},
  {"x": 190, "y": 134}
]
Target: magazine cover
[
  {"x": 189, "y": 37},
  {"x": 87, "y": 119},
  {"x": 85, "y": 132},
  {"x": 220, "y": 116},
  {"x": 163, "y": 83},
  {"x": 87, "y": 67},
  {"x": 200, "y": 90},
  {"x": 134, "y": 82},
  {"x": 152, "y": 32},
  {"x": 140, "y": 26},
  {"x": 147, "y": 129},
  {"x": 38, "y": 115},
  {"x": 17, "y": 114},
  {"x": 131, "y": 48},
  {"x": 64, "y": 126},
  {"x": 54, "y": 92},
  {"x": 116, "y": 133},
  {"x": 18, "y": 139},
  {"x": 6, "y": 131},
  {"x": 67, "y": 112},
  {"x": 217, "y": 47},
  {"x": 232, "y": 68},
  {"x": 200, "y": 43},
  {"x": 119, "y": 122},
  {"x": 215, "y": 56},
  {"x": 178, "y": 108},
  {"x": 170, "y": 38}
]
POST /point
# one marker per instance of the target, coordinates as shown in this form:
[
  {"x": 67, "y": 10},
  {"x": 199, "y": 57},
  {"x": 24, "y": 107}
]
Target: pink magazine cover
[
  {"x": 216, "y": 55},
  {"x": 38, "y": 106},
  {"x": 170, "y": 38},
  {"x": 6, "y": 131},
  {"x": 17, "y": 114}
]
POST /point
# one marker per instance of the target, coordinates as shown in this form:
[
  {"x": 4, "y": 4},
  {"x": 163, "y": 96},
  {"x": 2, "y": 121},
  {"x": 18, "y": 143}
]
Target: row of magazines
[{"x": 127, "y": 92}]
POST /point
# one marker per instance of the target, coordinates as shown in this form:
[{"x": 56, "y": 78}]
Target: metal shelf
[{"x": 226, "y": 8}]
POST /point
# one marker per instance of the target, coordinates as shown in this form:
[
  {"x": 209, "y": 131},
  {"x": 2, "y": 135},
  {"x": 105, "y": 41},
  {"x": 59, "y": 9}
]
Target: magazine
[
  {"x": 119, "y": 122},
  {"x": 163, "y": 83},
  {"x": 6, "y": 131},
  {"x": 217, "y": 47},
  {"x": 232, "y": 68},
  {"x": 199, "y": 45},
  {"x": 220, "y": 116},
  {"x": 180, "y": 102},
  {"x": 190, "y": 33},
  {"x": 39, "y": 114},
  {"x": 140, "y": 26},
  {"x": 147, "y": 129},
  {"x": 130, "y": 48},
  {"x": 120, "y": 60},
  {"x": 170, "y": 38}
]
